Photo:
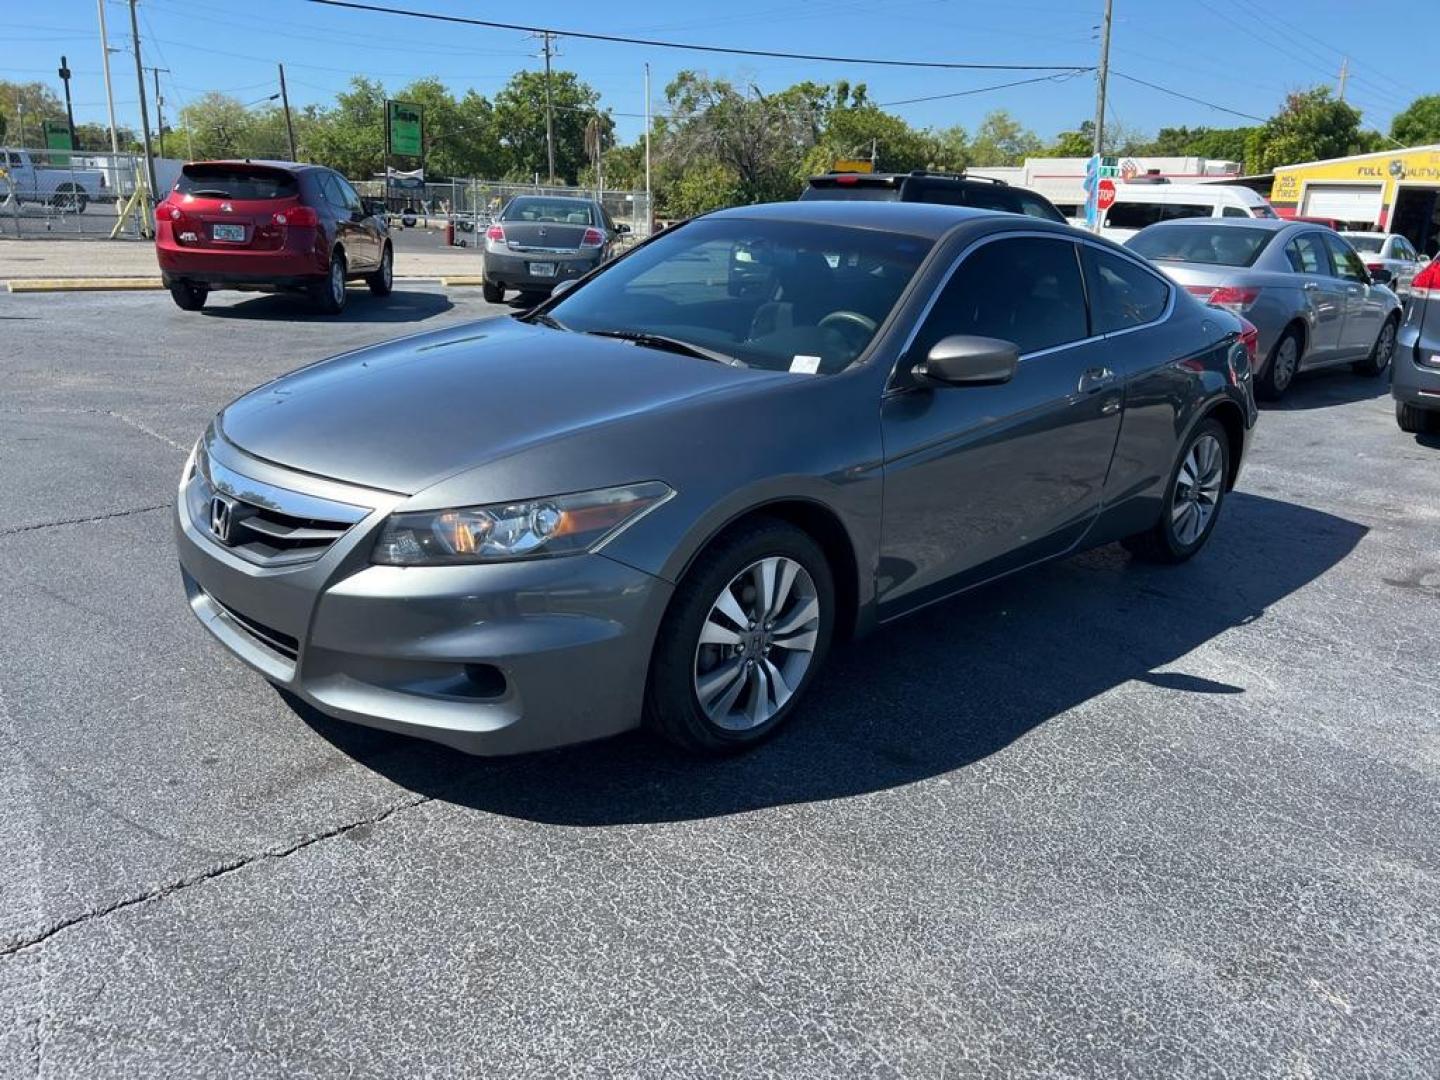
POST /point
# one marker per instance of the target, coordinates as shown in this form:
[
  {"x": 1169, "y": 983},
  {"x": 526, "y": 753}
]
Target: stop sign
[{"x": 1105, "y": 197}]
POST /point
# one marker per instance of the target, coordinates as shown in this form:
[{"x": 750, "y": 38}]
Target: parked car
[
  {"x": 63, "y": 187},
  {"x": 1392, "y": 252},
  {"x": 948, "y": 189},
  {"x": 1415, "y": 385},
  {"x": 664, "y": 492},
  {"x": 540, "y": 240},
  {"x": 1305, "y": 288},
  {"x": 1142, "y": 203},
  {"x": 270, "y": 226}
]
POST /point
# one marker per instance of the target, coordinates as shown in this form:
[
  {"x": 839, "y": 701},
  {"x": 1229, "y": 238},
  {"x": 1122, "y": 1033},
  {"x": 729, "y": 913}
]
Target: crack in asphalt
[
  {"x": 25, "y": 942},
  {"x": 129, "y": 421},
  {"x": 13, "y": 530}
]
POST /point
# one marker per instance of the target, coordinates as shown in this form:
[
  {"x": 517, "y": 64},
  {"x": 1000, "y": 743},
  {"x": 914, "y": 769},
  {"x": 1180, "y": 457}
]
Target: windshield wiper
[
  {"x": 544, "y": 319},
  {"x": 670, "y": 344}
]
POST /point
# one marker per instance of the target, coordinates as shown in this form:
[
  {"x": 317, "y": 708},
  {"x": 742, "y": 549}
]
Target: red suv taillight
[
  {"x": 297, "y": 216},
  {"x": 1233, "y": 298},
  {"x": 1426, "y": 281},
  {"x": 495, "y": 233},
  {"x": 592, "y": 238}
]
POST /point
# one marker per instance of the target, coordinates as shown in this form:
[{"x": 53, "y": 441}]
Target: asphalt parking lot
[{"x": 1102, "y": 819}]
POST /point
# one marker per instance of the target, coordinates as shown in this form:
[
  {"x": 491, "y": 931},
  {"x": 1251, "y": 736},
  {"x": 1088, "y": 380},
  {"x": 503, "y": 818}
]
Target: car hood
[{"x": 405, "y": 415}]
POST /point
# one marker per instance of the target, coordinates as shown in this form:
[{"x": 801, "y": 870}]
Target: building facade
[{"x": 1390, "y": 191}]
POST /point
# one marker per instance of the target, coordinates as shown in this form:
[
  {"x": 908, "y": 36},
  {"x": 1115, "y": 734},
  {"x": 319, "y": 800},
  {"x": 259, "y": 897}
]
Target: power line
[
  {"x": 1187, "y": 97},
  {"x": 982, "y": 89},
  {"x": 726, "y": 50}
]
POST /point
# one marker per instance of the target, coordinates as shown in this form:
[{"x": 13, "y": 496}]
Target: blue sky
[{"x": 1242, "y": 54}]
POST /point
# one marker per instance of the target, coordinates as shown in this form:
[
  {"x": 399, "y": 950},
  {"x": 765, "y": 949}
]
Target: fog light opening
[{"x": 484, "y": 680}]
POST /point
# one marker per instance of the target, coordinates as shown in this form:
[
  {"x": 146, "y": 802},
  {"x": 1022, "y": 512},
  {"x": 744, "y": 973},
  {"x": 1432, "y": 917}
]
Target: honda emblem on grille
[{"x": 222, "y": 518}]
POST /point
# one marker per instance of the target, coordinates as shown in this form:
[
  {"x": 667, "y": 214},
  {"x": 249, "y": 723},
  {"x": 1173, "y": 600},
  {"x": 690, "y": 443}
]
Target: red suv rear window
[{"x": 236, "y": 182}]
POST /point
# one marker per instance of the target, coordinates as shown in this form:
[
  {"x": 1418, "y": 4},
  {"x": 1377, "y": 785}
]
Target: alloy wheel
[
  {"x": 1197, "y": 489},
  {"x": 1287, "y": 358},
  {"x": 757, "y": 643},
  {"x": 1385, "y": 347},
  {"x": 337, "y": 281},
  {"x": 387, "y": 268}
]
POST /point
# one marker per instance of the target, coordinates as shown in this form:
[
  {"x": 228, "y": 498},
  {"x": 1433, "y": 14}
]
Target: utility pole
[
  {"x": 144, "y": 112},
  {"x": 649, "y": 200},
  {"x": 1102, "y": 76},
  {"x": 64, "y": 74},
  {"x": 289, "y": 124},
  {"x": 109, "y": 91},
  {"x": 1344, "y": 75},
  {"x": 549, "y": 110},
  {"x": 159, "y": 107}
]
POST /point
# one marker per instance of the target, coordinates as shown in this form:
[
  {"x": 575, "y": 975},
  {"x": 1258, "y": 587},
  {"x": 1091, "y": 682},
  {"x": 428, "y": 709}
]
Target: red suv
[{"x": 269, "y": 225}]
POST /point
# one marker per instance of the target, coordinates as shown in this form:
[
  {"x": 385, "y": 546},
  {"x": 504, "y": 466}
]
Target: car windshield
[
  {"x": 235, "y": 182},
  {"x": 1368, "y": 244},
  {"x": 1216, "y": 245},
  {"x": 552, "y": 211},
  {"x": 782, "y": 295}
]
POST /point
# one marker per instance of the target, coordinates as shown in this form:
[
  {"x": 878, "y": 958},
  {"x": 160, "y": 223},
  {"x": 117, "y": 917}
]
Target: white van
[{"x": 1144, "y": 203}]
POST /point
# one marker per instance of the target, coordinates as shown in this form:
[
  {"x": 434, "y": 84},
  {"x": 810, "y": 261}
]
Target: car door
[
  {"x": 1323, "y": 296},
  {"x": 350, "y": 230},
  {"x": 983, "y": 479},
  {"x": 1365, "y": 306}
]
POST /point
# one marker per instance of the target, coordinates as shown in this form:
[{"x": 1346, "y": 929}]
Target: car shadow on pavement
[
  {"x": 1329, "y": 387},
  {"x": 931, "y": 694},
  {"x": 360, "y": 307}
]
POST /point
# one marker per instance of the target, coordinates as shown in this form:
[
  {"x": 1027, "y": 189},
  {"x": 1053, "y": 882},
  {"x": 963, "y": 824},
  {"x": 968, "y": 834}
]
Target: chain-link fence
[
  {"x": 66, "y": 193},
  {"x": 472, "y": 204}
]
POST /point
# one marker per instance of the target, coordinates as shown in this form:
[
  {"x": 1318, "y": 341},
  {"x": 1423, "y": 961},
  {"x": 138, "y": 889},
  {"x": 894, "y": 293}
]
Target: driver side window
[{"x": 1026, "y": 290}]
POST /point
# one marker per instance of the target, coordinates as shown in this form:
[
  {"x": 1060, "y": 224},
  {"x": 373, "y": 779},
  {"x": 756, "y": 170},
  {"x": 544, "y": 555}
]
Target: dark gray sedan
[
  {"x": 662, "y": 495},
  {"x": 1415, "y": 384},
  {"x": 539, "y": 241},
  {"x": 1301, "y": 285}
]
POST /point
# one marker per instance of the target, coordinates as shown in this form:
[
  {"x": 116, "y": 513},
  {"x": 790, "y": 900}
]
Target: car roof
[
  {"x": 552, "y": 198},
  {"x": 931, "y": 220},
  {"x": 1269, "y": 224}
]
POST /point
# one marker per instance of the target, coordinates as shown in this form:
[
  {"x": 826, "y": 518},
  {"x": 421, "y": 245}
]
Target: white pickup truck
[{"x": 63, "y": 187}]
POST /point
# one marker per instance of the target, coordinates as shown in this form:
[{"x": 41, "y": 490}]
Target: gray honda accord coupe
[{"x": 662, "y": 495}]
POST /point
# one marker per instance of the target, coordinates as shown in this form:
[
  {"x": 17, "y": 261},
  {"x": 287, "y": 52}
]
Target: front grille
[
  {"x": 262, "y": 523},
  {"x": 274, "y": 640}
]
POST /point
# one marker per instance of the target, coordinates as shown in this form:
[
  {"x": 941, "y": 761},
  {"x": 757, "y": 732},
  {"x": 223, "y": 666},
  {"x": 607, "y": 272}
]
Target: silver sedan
[{"x": 1305, "y": 289}]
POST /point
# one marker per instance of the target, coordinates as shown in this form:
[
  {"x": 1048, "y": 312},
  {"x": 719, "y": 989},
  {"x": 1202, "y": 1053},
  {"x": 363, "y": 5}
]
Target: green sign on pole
[
  {"x": 403, "y": 122},
  {"x": 57, "y": 137}
]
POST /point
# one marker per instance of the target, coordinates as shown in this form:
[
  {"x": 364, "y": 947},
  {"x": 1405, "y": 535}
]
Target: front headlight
[{"x": 540, "y": 528}]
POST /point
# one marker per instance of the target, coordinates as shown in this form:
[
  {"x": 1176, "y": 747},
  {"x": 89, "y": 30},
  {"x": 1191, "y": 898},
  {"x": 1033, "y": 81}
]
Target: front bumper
[
  {"x": 513, "y": 270},
  {"x": 395, "y": 647}
]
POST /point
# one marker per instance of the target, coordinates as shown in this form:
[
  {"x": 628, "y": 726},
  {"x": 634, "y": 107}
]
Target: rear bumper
[
  {"x": 513, "y": 270},
  {"x": 300, "y": 262},
  {"x": 1414, "y": 383},
  {"x": 391, "y": 647}
]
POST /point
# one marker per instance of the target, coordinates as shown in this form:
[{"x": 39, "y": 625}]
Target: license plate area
[
  {"x": 234, "y": 234},
  {"x": 542, "y": 269}
]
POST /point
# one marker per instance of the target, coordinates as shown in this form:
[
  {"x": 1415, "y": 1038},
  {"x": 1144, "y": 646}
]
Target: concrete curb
[{"x": 136, "y": 284}]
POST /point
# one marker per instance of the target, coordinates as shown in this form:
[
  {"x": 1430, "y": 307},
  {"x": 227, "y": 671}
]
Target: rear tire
[
  {"x": 1416, "y": 421},
  {"x": 1193, "y": 499},
  {"x": 493, "y": 294},
  {"x": 329, "y": 295},
  {"x": 189, "y": 297},
  {"x": 699, "y": 645},
  {"x": 1280, "y": 368},
  {"x": 1382, "y": 352},
  {"x": 382, "y": 281}
]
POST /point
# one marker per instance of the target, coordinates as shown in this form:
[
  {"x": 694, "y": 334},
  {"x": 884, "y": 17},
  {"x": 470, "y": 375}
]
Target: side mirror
[
  {"x": 373, "y": 207},
  {"x": 1424, "y": 260},
  {"x": 1381, "y": 276},
  {"x": 562, "y": 287},
  {"x": 621, "y": 229},
  {"x": 968, "y": 360}
]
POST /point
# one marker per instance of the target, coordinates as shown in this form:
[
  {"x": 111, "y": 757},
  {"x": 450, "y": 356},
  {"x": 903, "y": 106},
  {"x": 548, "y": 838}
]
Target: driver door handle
[
  {"x": 1311, "y": 286},
  {"x": 1095, "y": 379}
]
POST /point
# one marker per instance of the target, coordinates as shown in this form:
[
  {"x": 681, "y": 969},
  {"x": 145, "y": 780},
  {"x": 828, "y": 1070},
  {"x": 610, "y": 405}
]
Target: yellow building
[{"x": 1391, "y": 191}]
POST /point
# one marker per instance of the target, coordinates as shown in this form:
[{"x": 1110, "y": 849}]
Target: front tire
[
  {"x": 189, "y": 297},
  {"x": 1414, "y": 421},
  {"x": 493, "y": 293},
  {"x": 382, "y": 281},
  {"x": 329, "y": 295},
  {"x": 1192, "y": 501},
  {"x": 1281, "y": 367},
  {"x": 744, "y": 637},
  {"x": 1383, "y": 350}
]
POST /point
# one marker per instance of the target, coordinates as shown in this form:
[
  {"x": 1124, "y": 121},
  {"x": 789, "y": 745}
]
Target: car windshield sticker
[{"x": 805, "y": 365}]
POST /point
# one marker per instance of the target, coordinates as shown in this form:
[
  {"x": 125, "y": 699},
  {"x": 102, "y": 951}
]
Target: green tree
[
  {"x": 700, "y": 188},
  {"x": 1419, "y": 123},
  {"x": 1072, "y": 144},
  {"x": 91, "y": 136},
  {"x": 350, "y": 137},
  {"x": 951, "y": 149},
  {"x": 220, "y": 127},
  {"x": 519, "y": 116},
  {"x": 1311, "y": 126},
  {"x": 854, "y": 131},
  {"x": 39, "y": 103},
  {"x": 1002, "y": 140}
]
